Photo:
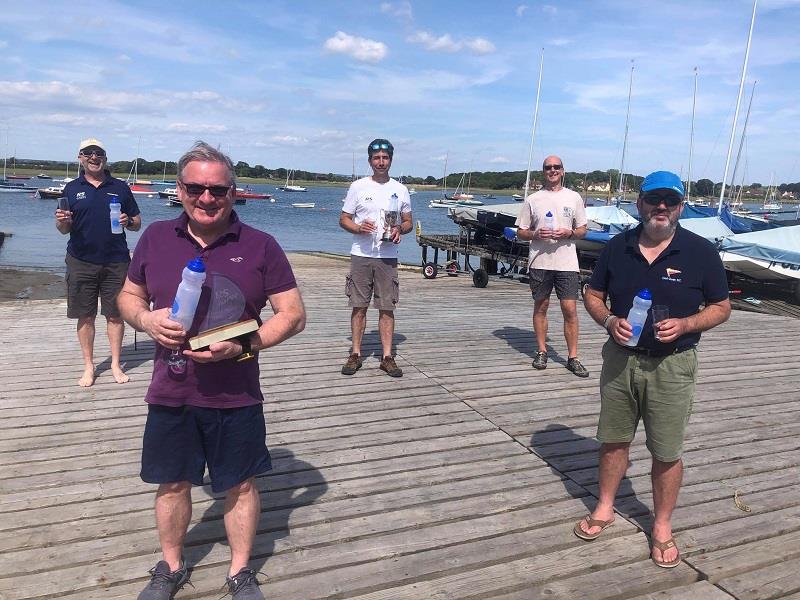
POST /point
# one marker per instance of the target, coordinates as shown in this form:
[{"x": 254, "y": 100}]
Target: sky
[{"x": 307, "y": 84}]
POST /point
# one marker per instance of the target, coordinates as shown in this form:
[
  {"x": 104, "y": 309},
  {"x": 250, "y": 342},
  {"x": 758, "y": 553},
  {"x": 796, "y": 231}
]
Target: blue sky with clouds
[{"x": 304, "y": 84}]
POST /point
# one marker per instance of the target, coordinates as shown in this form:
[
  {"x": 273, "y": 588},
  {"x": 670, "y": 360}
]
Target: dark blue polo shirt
[
  {"x": 90, "y": 238},
  {"x": 686, "y": 275}
]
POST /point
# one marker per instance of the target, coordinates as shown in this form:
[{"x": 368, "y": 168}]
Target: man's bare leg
[
  {"x": 242, "y": 512},
  {"x": 666, "y": 478},
  {"x": 86, "y": 341},
  {"x": 613, "y": 465},
  {"x": 540, "y": 323},
  {"x": 173, "y": 513},
  {"x": 569, "y": 308},
  {"x": 116, "y": 331},
  {"x": 386, "y": 331},
  {"x": 358, "y": 324}
]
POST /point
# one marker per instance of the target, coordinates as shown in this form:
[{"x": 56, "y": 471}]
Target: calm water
[{"x": 36, "y": 243}]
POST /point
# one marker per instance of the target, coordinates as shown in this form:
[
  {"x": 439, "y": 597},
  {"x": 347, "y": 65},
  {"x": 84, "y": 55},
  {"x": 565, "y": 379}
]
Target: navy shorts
[{"x": 180, "y": 441}]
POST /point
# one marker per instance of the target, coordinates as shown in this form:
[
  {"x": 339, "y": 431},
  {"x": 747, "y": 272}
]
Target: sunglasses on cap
[
  {"x": 669, "y": 198},
  {"x": 90, "y": 153},
  {"x": 195, "y": 190},
  {"x": 553, "y": 167}
]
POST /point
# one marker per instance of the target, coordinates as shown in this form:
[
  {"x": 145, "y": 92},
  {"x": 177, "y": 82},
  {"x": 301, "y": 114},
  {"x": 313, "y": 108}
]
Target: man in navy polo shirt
[
  {"x": 97, "y": 259},
  {"x": 655, "y": 380},
  {"x": 211, "y": 414}
]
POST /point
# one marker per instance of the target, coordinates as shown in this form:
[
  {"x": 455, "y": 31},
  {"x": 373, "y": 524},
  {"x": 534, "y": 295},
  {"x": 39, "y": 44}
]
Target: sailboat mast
[
  {"x": 743, "y": 138},
  {"x": 533, "y": 127},
  {"x": 738, "y": 104},
  {"x": 621, "y": 189},
  {"x": 691, "y": 141}
]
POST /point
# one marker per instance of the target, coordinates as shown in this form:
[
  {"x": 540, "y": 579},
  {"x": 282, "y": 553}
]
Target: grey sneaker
[
  {"x": 352, "y": 365},
  {"x": 164, "y": 584},
  {"x": 574, "y": 365},
  {"x": 244, "y": 586},
  {"x": 540, "y": 360},
  {"x": 391, "y": 368}
]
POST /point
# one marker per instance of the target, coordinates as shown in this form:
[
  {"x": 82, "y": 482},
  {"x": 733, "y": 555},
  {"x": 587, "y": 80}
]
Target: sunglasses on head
[
  {"x": 90, "y": 153},
  {"x": 671, "y": 199},
  {"x": 381, "y": 146},
  {"x": 553, "y": 167},
  {"x": 196, "y": 190}
]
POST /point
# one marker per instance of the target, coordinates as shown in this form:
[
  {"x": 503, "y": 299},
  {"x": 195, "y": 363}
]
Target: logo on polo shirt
[
  {"x": 80, "y": 195},
  {"x": 237, "y": 259},
  {"x": 672, "y": 275}
]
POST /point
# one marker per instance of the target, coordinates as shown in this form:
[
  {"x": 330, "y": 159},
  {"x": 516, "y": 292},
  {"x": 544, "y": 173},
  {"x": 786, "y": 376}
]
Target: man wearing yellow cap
[{"x": 97, "y": 257}]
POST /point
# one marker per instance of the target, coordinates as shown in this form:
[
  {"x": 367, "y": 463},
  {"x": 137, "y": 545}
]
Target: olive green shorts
[{"x": 659, "y": 390}]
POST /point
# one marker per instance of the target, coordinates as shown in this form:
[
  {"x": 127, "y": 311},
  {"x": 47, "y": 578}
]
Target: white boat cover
[
  {"x": 781, "y": 244},
  {"x": 609, "y": 215},
  {"x": 602, "y": 215},
  {"x": 711, "y": 228}
]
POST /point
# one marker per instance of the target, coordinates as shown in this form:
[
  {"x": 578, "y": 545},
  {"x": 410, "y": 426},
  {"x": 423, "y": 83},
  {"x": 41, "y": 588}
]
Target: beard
[{"x": 659, "y": 232}]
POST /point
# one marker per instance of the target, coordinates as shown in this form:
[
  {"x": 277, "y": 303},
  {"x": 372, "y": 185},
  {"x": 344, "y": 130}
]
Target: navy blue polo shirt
[
  {"x": 90, "y": 238},
  {"x": 686, "y": 275}
]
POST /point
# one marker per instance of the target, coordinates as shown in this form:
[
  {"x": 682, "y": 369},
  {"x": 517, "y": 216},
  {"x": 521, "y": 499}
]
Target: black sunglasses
[
  {"x": 90, "y": 153},
  {"x": 383, "y": 146},
  {"x": 553, "y": 167},
  {"x": 670, "y": 199},
  {"x": 196, "y": 190}
]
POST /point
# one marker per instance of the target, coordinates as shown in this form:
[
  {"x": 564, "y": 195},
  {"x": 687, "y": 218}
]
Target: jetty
[{"x": 461, "y": 480}]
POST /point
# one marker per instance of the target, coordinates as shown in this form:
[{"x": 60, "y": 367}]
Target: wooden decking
[{"x": 460, "y": 480}]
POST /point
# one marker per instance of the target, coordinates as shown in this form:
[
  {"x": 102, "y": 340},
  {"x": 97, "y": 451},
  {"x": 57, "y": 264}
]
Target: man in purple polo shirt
[
  {"x": 97, "y": 259},
  {"x": 212, "y": 413}
]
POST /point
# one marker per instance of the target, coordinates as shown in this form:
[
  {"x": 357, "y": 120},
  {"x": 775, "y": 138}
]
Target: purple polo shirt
[{"x": 250, "y": 258}]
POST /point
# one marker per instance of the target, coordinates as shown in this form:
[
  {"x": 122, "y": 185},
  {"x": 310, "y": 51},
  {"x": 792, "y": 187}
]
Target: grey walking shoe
[
  {"x": 244, "y": 586},
  {"x": 574, "y": 365},
  {"x": 540, "y": 360},
  {"x": 164, "y": 584},
  {"x": 391, "y": 368}
]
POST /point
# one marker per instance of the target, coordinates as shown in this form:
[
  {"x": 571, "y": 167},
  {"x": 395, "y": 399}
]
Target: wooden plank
[{"x": 772, "y": 582}]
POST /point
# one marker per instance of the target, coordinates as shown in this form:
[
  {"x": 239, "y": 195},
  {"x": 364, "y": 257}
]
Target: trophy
[
  {"x": 390, "y": 218},
  {"x": 223, "y": 319}
]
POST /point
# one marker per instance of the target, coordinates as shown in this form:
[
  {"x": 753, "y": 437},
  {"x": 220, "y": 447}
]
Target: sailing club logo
[
  {"x": 672, "y": 275},
  {"x": 237, "y": 259},
  {"x": 80, "y": 195}
]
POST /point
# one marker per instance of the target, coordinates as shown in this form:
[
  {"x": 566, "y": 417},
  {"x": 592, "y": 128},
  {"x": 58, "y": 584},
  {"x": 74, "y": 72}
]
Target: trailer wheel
[
  {"x": 451, "y": 268},
  {"x": 480, "y": 278},
  {"x": 430, "y": 270}
]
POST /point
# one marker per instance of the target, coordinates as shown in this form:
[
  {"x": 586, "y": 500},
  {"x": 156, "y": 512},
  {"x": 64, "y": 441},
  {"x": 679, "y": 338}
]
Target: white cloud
[
  {"x": 445, "y": 43},
  {"x": 401, "y": 10},
  {"x": 549, "y": 9},
  {"x": 357, "y": 47},
  {"x": 559, "y": 42},
  {"x": 521, "y": 9},
  {"x": 499, "y": 160},
  {"x": 289, "y": 140},
  {"x": 197, "y": 128},
  {"x": 124, "y": 58}
]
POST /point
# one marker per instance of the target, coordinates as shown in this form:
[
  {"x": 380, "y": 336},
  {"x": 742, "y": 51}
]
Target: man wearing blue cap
[{"x": 655, "y": 379}]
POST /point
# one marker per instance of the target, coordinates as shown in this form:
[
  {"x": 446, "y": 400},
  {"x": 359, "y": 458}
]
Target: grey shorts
[
  {"x": 86, "y": 282},
  {"x": 659, "y": 390},
  {"x": 567, "y": 284},
  {"x": 372, "y": 279}
]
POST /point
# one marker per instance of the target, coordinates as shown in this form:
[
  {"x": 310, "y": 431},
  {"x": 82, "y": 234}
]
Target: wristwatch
[{"x": 247, "y": 349}]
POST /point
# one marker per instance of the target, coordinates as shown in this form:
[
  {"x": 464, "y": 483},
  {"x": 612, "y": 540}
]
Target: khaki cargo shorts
[
  {"x": 659, "y": 390},
  {"x": 372, "y": 279}
]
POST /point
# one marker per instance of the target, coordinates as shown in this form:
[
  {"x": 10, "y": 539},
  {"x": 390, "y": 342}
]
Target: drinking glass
[{"x": 659, "y": 313}]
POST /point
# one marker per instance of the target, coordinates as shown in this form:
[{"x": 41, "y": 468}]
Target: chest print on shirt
[
  {"x": 368, "y": 200},
  {"x": 566, "y": 211},
  {"x": 236, "y": 259},
  {"x": 80, "y": 195},
  {"x": 672, "y": 275}
]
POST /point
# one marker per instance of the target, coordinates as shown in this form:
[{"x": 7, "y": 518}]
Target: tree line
[{"x": 493, "y": 180}]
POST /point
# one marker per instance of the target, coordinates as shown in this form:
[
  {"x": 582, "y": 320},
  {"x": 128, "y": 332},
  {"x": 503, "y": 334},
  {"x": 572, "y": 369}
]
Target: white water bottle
[
  {"x": 638, "y": 315},
  {"x": 185, "y": 305},
  {"x": 549, "y": 222},
  {"x": 115, "y": 211}
]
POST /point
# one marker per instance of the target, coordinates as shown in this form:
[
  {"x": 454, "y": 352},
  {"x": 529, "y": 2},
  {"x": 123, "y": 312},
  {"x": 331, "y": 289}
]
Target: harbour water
[{"x": 35, "y": 243}]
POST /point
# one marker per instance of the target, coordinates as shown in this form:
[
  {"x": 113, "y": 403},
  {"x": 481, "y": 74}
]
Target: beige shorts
[
  {"x": 659, "y": 390},
  {"x": 372, "y": 279}
]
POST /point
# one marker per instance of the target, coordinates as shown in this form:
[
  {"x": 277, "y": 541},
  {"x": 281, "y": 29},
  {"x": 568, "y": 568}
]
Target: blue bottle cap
[
  {"x": 114, "y": 198},
  {"x": 196, "y": 265},
  {"x": 549, "y": 214},
  {"x": 645, "y": 294}
]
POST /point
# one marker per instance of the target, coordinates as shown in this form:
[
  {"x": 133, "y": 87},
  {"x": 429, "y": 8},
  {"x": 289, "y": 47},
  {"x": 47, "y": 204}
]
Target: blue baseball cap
[{"x": 663, "y": 180}]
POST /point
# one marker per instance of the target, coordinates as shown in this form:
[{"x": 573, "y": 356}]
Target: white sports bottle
[
  {"x": 638, "y": 315},
  {"x": 188, "y": 294},
  {"x": 185, "y": 305},
  {"x": 549, "y": 221},
  {"x": 115, "y": 211}
]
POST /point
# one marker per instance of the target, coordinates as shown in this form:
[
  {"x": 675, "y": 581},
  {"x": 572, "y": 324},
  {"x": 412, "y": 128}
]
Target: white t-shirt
[
  {"x": 368, "y": 200},
  {"x": 567, "y": 209}
]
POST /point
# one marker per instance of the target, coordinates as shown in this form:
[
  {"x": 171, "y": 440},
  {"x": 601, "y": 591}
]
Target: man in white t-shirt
[
  {"x": 552, "y": 219},
  {"x": 377, "y": 211}
]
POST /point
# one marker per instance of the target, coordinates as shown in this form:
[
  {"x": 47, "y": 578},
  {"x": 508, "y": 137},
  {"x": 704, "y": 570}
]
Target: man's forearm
[
  {"x": 708, "y": 318},
  {"x": 132, "y": 308},
  {"x": 280, "y": 327}
]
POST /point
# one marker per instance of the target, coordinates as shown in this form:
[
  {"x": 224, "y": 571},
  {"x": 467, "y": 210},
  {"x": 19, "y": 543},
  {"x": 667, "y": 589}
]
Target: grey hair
[{"x": 203, "y": 152}]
